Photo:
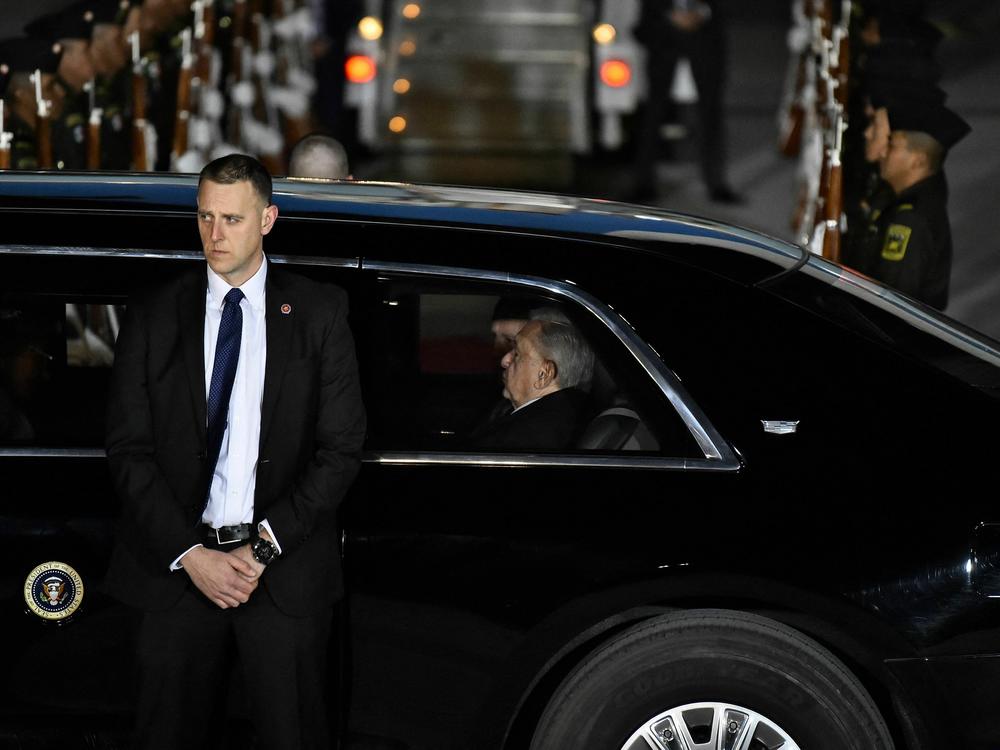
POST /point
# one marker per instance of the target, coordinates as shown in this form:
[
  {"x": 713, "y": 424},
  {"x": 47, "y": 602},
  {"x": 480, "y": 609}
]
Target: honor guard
[
  {"x": 110, "y": 55},
  {"x": 71, "y": 28},
  {"x": 31, "y": 99},
  {"x": 907, "y": 244}
]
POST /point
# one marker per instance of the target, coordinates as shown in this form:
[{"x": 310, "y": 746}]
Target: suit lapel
[
  {"x": 279, "y": 321},
  {"x": 192, "y": 328}
]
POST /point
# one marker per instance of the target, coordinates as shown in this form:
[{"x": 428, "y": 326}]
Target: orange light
[
  {"x": 359, "y": 68},
  {"x": 407, "y": 47},
  {"x": 397, "y": 124},
  {"x": 616, "y": 73},
  {"x": 411, "y": 10},
  {"x": 401, "y": 85}
]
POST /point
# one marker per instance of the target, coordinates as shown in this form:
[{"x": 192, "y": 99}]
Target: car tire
[{"x": 710, "y": 671}]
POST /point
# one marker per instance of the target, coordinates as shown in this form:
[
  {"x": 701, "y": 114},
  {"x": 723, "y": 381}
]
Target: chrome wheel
[{"x": 710, "y": 726}]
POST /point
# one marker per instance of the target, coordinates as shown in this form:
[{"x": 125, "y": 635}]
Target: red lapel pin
[{"x": 286, "y": 309}]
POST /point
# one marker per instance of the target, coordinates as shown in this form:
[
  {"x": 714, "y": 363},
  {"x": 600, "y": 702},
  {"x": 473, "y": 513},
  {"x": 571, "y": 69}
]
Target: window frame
[{"x": 718, "y": 455}]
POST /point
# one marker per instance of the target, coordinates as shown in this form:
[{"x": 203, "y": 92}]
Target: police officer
[
  {"x": 22, "y": 56},
  {"x": 71, "y": 28},
  {"x": 907, "y": 244}
]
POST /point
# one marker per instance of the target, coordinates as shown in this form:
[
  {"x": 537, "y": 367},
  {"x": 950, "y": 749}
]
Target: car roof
[
  {"x": 436, "y": 204},
  {"x": 524, "y": 211}
]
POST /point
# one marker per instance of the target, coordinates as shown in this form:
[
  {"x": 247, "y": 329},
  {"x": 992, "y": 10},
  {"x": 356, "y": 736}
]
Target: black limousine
[{"x": 800, "y": 553}]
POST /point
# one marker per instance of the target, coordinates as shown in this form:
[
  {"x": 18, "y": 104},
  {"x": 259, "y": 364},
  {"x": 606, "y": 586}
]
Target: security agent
[
  {"x": 908, "y": 243},
  {"x": 235, "y": 425}
]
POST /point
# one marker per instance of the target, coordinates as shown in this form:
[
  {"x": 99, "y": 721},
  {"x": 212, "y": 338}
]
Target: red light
[
  {"x": 359, "y": 68},
  {"x": 616, "y": 73}
]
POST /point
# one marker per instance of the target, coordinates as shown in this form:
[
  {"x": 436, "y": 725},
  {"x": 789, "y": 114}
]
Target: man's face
[
  {"x": 74, "y": 65},
  {"x": 522, "y": 366},
  {"x": 505, "y": 330},
  {"x": 897, "y": 164},
  {"x": 232, "y": 222},
  {"x": 877, "y": 135},
  {"x": 108, "y": 51}
]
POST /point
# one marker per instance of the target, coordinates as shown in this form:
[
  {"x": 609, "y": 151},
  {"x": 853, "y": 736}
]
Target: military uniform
[
  {"x": 69, "y": 132},
  {"x": 907, "y": 244}
]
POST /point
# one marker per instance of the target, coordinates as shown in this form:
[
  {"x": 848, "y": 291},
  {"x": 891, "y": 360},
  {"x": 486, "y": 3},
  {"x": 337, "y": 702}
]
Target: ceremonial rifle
[
  {"x": 93, "y": 128},
  {"x": 183, "y": 96},
  {"x": 139, "y": 160},
  {"x": 5, "y": 139},
  {"x": 43, "y": 125}
]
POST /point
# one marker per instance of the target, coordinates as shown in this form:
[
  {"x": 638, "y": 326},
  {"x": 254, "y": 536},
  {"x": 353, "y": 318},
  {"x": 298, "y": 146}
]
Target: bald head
[{"x": 318, "y": 156}]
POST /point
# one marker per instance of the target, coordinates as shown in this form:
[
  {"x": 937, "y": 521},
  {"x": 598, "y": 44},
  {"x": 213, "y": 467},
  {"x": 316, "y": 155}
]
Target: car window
[{"x": 433, "y": 376}]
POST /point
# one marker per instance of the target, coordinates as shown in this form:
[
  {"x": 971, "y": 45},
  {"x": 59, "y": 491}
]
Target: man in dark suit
[
  {"x": 671, "y": 30},
  {"x": 543, "y": 376},
  {"x": 234, "y": 429}
]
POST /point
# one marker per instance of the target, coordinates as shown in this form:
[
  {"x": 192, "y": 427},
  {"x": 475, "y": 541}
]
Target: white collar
[{"x": 253, "y": 288}]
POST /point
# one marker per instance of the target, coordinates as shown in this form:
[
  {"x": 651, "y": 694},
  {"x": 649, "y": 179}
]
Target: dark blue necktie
[{"x": 227, "y": 356}]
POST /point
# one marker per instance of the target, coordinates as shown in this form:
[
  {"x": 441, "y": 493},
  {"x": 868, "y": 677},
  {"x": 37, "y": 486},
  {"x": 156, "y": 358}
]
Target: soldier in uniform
[
  {"x": 110, "y": 55},
  {"x": 907, "y": 244},
  {"x": 71, "y": 28},
  {"x": 22, "y": 57}
]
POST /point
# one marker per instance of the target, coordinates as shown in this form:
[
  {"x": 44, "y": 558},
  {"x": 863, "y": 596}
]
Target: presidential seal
[{"x": 53, "y": 591}]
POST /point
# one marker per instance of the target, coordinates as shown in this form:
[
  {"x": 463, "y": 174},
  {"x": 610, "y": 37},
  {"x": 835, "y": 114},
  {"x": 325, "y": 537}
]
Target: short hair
[
  {"x": 927, "y": 145},
  {"x": 318, "y": 155},
  {"x": 563, "y": 344},
  {"x": 233, "y": 168},
  {"x": 550, "y": 313}
]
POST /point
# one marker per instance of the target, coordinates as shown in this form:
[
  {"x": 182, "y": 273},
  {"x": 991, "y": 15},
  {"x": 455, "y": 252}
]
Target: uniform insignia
[
  {"x": 896, "y": 239},
  {"x": 286, "y": 309},
  {"x": 53, "y": 591}
]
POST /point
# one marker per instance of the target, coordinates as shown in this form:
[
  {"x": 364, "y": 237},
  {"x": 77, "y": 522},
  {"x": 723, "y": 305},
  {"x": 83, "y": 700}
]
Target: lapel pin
[{"x": 286, "y": 309}]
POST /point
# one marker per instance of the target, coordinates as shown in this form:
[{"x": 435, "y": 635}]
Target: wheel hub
[{"x": 710, "y": 726}]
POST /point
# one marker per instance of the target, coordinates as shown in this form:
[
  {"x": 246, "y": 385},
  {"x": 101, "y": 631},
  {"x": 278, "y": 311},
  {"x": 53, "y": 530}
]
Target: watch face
[{"x": 263, "y": 551}]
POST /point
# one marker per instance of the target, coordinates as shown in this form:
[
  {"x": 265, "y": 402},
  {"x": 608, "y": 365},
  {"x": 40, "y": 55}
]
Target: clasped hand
[{"x": 226, "y": 578}]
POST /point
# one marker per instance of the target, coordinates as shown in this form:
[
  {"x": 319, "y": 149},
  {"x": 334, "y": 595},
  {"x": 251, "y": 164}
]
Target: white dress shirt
[{"x": 230, "y": 499}]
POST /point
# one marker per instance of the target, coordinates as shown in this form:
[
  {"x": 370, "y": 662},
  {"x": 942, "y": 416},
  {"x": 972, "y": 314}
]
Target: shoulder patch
[
  {"x": 897, "y": 236},
  {"x": 905, "y": 207}
]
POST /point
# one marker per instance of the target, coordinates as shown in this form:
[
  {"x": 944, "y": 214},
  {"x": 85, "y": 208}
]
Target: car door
[{"x": 456, "y": 555}]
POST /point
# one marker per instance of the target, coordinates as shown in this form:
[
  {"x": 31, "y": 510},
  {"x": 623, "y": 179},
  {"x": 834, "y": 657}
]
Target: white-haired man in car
[{"x": 543, "y": 376}]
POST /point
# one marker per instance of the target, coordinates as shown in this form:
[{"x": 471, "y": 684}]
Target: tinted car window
[{"x": 435, "y": 372}]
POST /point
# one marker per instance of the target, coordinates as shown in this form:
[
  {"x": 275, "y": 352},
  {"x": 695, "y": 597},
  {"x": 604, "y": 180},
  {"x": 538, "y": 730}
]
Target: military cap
[
  {"x": 939, "y": 122},
  {"x": 74, "y": 22},
  {"x": 27, "y": 54}
]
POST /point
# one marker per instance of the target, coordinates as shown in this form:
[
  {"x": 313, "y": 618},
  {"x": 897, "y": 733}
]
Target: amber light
[
  {"x": 359, "y": 69},
  {"x": 604, "y": 33},
  {"x": 616, "y": 73},
  {"x": 401, "y": 85},
  {"x": 370, "y": 28},
  {"x": 411, "y": 10},
  {"x": 397, "y": 124}
]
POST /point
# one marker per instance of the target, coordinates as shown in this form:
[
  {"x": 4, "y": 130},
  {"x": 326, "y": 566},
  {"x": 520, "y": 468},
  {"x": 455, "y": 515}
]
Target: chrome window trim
[
  {"x": 708, "y": 439},
  {"x": 114, "y": 252},
  {"x": 432, "y": 458},
  {"x": 525, "y": 460}
]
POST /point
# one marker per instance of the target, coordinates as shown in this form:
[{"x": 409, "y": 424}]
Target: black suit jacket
[
  {"x": 312, "y": 428},
  {"x": 551, "y": 423}
]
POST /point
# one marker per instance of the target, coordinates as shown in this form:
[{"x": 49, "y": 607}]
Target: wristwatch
[{"x": 264, "y": 551}]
